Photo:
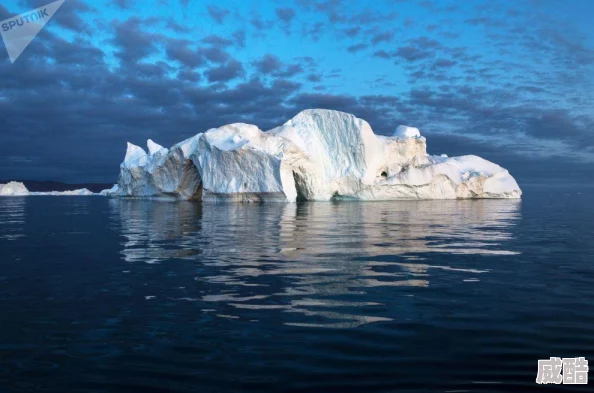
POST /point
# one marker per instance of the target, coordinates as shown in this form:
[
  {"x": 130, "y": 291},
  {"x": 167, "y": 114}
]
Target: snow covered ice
[
  {"x": 317, "y": 155},
  {"x": 407, "y": 132}
]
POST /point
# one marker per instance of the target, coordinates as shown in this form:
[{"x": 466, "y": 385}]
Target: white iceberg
[
  {"x": 317, "y": 155},
  {"x": 79, "y": 192},
  {"x": 13, "y": 188},
  {"x": 112, "y": 191},
  {"x": 18, "y": 189}
]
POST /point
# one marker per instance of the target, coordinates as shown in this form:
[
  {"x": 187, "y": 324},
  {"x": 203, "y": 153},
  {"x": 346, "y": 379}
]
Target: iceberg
[
  {"x": 79, "y": 192},
  {"x": 112, "y": 191},
  {"x": 317, "y": 155},
  {"x": 13, "y": 188},
  {"x": 18, "y": 189}
]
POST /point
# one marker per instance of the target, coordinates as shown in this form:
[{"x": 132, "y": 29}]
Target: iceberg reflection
[{"x": 320, "y": 260}]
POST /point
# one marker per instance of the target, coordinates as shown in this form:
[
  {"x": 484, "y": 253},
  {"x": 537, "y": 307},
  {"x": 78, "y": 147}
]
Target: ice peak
[
  {"x": 135, "y": 155},
  {"x": 153, "y": 147},
  {"x": 309, "y": 115},
  {"x": 406, "y": 132}
]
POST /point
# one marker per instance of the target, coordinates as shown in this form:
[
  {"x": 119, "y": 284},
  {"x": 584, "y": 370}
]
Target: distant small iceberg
[{"x": 14, "y": 188}]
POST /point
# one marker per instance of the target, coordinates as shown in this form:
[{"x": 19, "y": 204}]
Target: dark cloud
[
  {"x": 180, "y": 50},
  {"x": 4, "y": 13},
  {"x": 268, "y": 64},
  {"x": 70, "y": 107},
  {"x": 217, "y": 41},
  {"x": 334, "y": 10},
  {"x": 132, "y": 42},
  {"x": 189, "y": 75},
  {"x": 261, "y": 24},
  {"x": 214, "y": 54},
  {"x": 357, "y": 47},
  {"x": 272, "y": 65},
  {"x": 239, "y": 36},
  {"x": 412, "y": 53},
  {"x": 443, "y": 63},
  {"x": 123, "y": 4},
  {"x": 370, "y": 17},
  {"x": 382, "y": 37},
  {"x": 226, "y": 72},
  {"x": 559, "y": 124},
  {"x": 285, "y": 14},
  {"x": 218, "y": 14},
  {"x": 381, "y": 54},
  {"x": 290, "y": 70},
  {"x": 68, "y": 15},
  {"x": 314, "y": 77},
  {"x": 313, "y": 31},
  {"x": 352, "y": 31},
  {"x": 485, "y": 21},
  {"x": 176, "y": 27}
]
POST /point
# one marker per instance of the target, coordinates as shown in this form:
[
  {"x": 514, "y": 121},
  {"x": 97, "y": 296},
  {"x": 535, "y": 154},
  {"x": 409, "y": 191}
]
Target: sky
[{"x": 512, "y": 82}]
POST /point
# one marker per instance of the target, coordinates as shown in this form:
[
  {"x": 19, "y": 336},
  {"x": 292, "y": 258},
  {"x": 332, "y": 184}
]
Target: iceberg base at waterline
[{"x": 318, "y": 155}]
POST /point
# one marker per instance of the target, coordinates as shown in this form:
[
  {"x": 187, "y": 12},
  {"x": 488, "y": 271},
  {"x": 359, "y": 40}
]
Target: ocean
[{"x": 122, "y": 295}]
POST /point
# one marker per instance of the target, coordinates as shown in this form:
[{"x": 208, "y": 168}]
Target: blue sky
[{"x": 510, "y": 81}]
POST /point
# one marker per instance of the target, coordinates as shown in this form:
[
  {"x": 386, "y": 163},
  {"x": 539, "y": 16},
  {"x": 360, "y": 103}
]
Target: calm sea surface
[{"x": 108, "y": 295}]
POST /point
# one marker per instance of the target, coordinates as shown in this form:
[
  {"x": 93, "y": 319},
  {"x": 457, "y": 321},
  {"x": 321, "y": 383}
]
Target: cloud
[
  {"x": 357, "y": 47},
  {"x": 4, "y": 13},
  {"x": 240, "y": 37},
  {"x": 381, "y": 54},
  {"x": 352, "y": 31},
  {"x": 412, "y": 53},
  {"x": 68, "y": 15},
  {"x": 180, "y": 50},
  {"x": 226, "y": 72},
  {"x": 260, "y": 24},
  {"x": 443, "y": 63},
  {"x": 382, "y": 37},
  {"x": 214, "y": 54},
  {"x": 314, "y": 77},
  {"x": 217, "y": 41},
  {"x": 268, "y": 64},
  {"x": 123, "y": 4},
  {"x": 517, "y": 94},
  {"x": 132, "y": 42},
  {"x": 218, "y": 14},
  {"x": 285, "y": 14}
]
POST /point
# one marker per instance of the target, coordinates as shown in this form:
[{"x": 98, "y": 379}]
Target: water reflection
[
  {"x": 12, "y": 217},
  {"x": 319, "y": 260}
]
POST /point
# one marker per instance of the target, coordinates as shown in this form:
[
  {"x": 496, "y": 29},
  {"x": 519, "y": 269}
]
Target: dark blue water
[{"x": 105, "y": 295}]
